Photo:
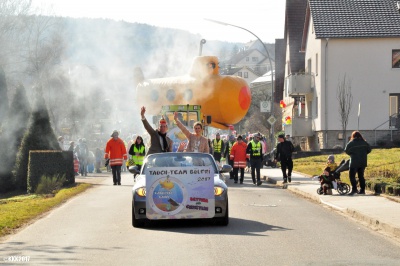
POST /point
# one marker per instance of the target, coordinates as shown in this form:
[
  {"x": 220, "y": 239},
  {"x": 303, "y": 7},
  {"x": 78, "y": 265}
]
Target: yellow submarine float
[{"x": 225, "y": 98}]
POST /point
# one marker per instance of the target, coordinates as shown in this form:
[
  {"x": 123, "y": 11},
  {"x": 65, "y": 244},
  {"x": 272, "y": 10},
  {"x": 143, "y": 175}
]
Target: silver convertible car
[{"x": 180, "y": 185}]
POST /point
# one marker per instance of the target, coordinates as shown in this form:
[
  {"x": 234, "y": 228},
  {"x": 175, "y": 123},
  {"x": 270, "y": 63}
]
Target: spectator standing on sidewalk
[
  {"x": 238, "y": 156},
  {"x": 254, "y": 148},
  {"x": 284, "y": 151},
  {"x": 358, "y": 150},
  {"x": 116, "y": 153}
]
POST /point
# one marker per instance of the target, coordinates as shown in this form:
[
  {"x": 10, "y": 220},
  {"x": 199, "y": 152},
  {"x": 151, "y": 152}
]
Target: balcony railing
[
  {"x": 298, "y": 84},
  {"x": 302, "y": 127}
]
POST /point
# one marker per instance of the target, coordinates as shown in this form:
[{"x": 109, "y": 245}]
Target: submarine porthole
[
  {"x": 154, "y": 95},
  {"x": 188, "y": 94},
  {"x": 171, "y": 95}
]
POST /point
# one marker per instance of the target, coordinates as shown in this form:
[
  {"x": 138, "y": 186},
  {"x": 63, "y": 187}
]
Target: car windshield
[{"x": 179, "y": 159}]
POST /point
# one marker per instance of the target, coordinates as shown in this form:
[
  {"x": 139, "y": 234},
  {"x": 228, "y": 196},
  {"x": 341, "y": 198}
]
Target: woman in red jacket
[
  {"x": 116, "y": 153},
  {"x": 238, "y": 155}
]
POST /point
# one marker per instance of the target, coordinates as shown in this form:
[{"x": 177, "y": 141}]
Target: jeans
[
  {"x": 361, "y": 179},
  {"x": 116, "y": 172}
]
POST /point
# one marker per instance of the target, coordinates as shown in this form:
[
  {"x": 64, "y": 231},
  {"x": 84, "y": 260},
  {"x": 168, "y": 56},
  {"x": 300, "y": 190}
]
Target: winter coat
[
  {"x": 115, "y": 151},
  {"x": 358, "y": 150},
  {"x": 284, "y": 150},
  {"x": 155, "y": 140},
  {"x": 238, "y": 155}
]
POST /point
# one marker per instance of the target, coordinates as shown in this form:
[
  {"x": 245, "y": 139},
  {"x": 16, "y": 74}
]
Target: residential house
[{"x": 351, "y": 45}]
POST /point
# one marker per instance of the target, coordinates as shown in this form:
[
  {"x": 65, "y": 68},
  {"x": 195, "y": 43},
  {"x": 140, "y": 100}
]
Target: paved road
[{"x": 268, "y": 226}]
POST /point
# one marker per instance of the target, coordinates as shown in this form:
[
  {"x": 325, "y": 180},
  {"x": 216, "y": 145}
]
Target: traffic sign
[
  {"x": 265, "y": 106},
  {"x": 271, "y": 120}
]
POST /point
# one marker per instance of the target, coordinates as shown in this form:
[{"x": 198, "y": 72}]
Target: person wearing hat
[
  {"x": 238, "y": 156},
  {"x": 196, "y": 141},
  {"x": 227, "y": 153},
  {"x": 115, "y": 153},
  {"x": 159, "y": 142},
  {"x": 218, "y": 147},
  {"x": 254, "y": 149},
  {"x": 284, "y": 151}
]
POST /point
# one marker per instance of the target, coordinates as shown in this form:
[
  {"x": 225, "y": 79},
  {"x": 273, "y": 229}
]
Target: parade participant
[
  {"x": 254, "y": 148},
  {"x": 358, "y": 150},
  {"x": 238, "y": 156},
  {"x": 284, "y": 151},
  {"x": 218, "y": 147},
  {"x": 227, "y": 153},
  {"x": 196, "y": 142},
  {"x": 159, "y": 142},
  {"x": 137, "y": 151},
  {"x": 115, "y": 152}
]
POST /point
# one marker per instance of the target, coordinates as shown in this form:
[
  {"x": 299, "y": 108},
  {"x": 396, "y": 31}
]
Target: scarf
[{"x": 164, "y": 144}]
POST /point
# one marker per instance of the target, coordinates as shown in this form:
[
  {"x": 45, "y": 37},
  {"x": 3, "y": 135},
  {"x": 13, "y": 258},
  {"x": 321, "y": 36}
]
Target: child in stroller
[{"x": 341, "y": 187}]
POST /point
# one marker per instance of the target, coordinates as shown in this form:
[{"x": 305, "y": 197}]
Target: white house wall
[{"x": 367, "y": 63}]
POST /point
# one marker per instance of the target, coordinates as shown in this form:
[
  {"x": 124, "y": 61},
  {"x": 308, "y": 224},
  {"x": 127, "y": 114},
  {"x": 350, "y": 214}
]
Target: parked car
[
  {"x": 268, "y": 159},
  {"x": 180, "y": 185}
]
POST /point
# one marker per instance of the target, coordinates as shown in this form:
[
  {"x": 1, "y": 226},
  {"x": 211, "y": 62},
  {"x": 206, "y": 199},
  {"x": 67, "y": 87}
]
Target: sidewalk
[{"x": 377, "y": 212}]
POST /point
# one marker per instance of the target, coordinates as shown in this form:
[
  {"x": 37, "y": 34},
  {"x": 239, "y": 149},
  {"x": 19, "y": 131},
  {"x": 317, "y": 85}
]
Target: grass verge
[
  {"x": 17, "y": 210},
  {"x": 383, "y": 169}
]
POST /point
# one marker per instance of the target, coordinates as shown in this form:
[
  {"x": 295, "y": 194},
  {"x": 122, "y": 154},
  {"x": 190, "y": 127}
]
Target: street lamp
[{"x": 270, "y": 63}]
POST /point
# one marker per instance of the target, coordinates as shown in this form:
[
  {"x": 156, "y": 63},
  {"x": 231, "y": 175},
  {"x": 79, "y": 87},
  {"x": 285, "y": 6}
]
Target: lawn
[
  {"x": 16, "y": 210},
  {"x": 383, "y": 171}
]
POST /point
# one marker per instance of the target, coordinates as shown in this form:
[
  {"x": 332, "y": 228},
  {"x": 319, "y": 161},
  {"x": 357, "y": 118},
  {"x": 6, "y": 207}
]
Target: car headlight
[
  {"x": 141, "y": 192},
  {"x": 218, "y": 191}
]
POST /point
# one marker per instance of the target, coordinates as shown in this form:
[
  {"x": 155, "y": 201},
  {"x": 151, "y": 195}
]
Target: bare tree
[{"x": 345, "y": 99}]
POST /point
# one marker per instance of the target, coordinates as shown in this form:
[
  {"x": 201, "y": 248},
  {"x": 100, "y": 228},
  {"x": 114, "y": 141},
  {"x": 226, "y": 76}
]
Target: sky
[{"x": 264, "y": 18}]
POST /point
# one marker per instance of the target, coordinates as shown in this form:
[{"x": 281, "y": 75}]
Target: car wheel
[
  {"x": 136, "y": 222},
  {"x": 224, "y": 221}
]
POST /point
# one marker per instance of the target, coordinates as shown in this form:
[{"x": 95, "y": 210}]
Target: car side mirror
[{"x": 226, "y": 168}]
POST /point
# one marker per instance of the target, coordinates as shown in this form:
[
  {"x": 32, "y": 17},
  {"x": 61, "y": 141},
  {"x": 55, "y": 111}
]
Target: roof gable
[{"x": 355, "y": 18}]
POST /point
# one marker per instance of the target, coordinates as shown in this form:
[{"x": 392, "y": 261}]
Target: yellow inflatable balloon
[{"x": 225, "y": 98}]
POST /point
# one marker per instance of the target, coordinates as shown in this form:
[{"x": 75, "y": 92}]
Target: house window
[
  {"x": 254, "y": 59},
  {"x": 246, "y": 75},
  {"x": 247, "y": 59},
  {"x": 316, "y": 64},
  {"x": 240, "y": 74},
  {"x": 396, "y": 58},
  {"x": 308, "y": 70}
]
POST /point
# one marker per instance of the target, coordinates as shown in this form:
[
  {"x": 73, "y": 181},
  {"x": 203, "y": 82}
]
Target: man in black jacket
[{"x": 284, "y": 151}]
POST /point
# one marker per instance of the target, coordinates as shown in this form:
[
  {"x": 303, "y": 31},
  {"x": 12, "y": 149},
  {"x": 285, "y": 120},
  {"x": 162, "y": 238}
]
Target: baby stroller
[{"x": 341, "y": 187}]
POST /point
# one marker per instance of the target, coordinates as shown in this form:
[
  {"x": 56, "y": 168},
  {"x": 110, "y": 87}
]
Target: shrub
[
  {"x": 49, "y": 163},
  {"x": 396, "y": 191},
  {"x": 389, "y": 189},
  {"x": 39, "y": 136},
  {"x": 50, "y": 185}
]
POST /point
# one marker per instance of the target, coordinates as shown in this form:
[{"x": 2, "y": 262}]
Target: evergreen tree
[
  {"x": 39, "y": 136},
  {"x": 3, "y": 97},
  {"x": 14, "y": 130},
  {"x": 4, "y": 170}
]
